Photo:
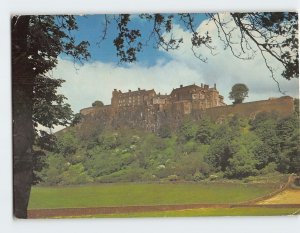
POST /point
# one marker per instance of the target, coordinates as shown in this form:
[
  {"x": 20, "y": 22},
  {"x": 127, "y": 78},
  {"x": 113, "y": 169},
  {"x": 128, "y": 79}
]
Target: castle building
[
  {"x": 204, "y": 96},
  {"x": 132, "y": 98},
  {"x": 148, "y": 110}
]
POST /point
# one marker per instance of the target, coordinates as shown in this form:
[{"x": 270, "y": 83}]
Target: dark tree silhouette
[
  {"x": 36, "y": 43},
  {"x": 271, "y": 35}
]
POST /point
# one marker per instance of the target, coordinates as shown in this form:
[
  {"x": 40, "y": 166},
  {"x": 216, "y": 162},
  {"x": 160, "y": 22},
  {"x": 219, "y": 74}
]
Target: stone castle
[
  {"x": 148, "y": 110},
  {"x": 204, "y": 96}
]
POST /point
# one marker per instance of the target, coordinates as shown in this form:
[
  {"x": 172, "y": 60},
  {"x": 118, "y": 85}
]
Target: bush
[
  {"x": 164, "y": 131},
  {"x": 75, "y": 175},
  {"x": 270, "y": 168},
  {"x": 173, "y": 178},
  {"x": 97, "y": 103},
  {"x": 297, "y": 181},
  {"x": 198, "y": 176}
]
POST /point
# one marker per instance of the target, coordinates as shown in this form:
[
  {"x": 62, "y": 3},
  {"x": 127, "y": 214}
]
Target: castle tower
[{"x": 115, "y": 98}]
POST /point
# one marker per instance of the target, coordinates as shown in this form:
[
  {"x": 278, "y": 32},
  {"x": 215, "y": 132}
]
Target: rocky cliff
[{"x": 154, "y": 116}]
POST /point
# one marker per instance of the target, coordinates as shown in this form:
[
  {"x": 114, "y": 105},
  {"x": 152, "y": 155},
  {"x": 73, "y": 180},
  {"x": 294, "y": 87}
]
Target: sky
[{"x": 158, "y": 69}]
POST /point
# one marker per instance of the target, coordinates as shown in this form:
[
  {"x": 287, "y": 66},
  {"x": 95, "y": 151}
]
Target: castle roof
[
  {"x": 162, "y": 96},
  {"x": 137, "y": 92},
  {"x": 185, "y": 88}
]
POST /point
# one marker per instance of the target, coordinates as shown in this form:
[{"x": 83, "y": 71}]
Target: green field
[{"x": 134, "y": 194}]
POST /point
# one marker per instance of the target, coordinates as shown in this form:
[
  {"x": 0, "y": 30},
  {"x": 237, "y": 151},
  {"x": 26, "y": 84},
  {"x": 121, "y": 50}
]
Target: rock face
[{"x": 148, "y": 110}]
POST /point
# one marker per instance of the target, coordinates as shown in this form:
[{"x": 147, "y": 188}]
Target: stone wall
[
  {"x": 152, "y": 117},
  {"x": 283, "y": 106}
]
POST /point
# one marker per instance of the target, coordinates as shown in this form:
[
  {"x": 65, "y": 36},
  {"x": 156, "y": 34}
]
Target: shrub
[
  {"x": 270, "y": 168},
  {"x": 75, "y": 175}
]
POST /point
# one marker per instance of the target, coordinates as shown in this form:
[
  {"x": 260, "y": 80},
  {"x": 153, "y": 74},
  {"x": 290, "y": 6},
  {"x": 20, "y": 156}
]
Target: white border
[{"x": 189, "y": 225}]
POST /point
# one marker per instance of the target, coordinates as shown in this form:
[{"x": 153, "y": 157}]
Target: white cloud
[
  {"x": 95, "y": 81},
  {"x": 226, "y": 70}
]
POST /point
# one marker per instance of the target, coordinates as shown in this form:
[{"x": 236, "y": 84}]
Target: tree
[
  {"x": 98, "y": 103},
  {"x": 288, "y": 135},
  {"x": 75, "y": 175},
  {"x": 296, "y": 105},
  {"x": 38, "y": 40},
  {"x": 271, "y": 35},
  {"x": 243, "y": 162},
  {"x": 188, "y": 130},
  {"x": 265, "y": 127},
  {"x": 49, "y": 107},
  {"x": 241, "y": 165},
  {"x": 219, "y": 154},
  {"x": 164, "y": 131},
  {"x": 238, "y": 93},
  {"x": 76, "y": 119},
  {"x": 205, "y": 131},
  {"x": 36, "y": 43}
]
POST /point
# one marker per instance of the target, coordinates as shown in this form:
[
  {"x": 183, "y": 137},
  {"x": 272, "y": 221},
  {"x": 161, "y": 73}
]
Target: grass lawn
[
  {"x": 124, "y": 194},
  {"x": 203, "y": 212}
]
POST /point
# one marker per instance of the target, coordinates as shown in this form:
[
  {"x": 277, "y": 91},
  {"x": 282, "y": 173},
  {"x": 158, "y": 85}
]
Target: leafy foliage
[
  {"x": 47, "y": 36},
  {"x": 97, "y": 103},
  {"x": 238, "y": 93},
  {"x": 199, "y": 150},
  {"x": 271, "y": 35},
  {"x": 76, "y": 119},
  {"x": 49, "y": 107}
]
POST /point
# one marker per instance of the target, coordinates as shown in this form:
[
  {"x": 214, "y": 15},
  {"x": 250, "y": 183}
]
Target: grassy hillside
[{"x": 237, "y": 148}]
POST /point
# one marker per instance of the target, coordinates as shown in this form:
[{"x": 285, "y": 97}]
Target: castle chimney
[
  {"x": 129, "y": 90},
  {"x": 139, "y": 89},
  {"x": 201, "y": 85},
  {"x": 215, "y": 86},
  {"x": 181, "y": 86}
]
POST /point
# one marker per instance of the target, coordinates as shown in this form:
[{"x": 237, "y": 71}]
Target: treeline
[{"x": 234, "y": 149}]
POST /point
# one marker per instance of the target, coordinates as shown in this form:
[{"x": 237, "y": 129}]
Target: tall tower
[{"x": 115, "y": 98}]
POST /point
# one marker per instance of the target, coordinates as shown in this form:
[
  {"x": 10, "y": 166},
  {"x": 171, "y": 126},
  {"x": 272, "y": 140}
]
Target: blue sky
[
  {"x": 91, "y": 29},
  {"x": 161, "y": 70}
]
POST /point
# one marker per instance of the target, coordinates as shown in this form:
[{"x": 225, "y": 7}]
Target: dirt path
[
  {"x": 48, "y": 213},
  {"x": 288, "y": 196}
]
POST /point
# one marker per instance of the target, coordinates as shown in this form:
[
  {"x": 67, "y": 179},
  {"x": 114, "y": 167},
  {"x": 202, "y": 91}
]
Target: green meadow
[{"x": 135, "y": 194}]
